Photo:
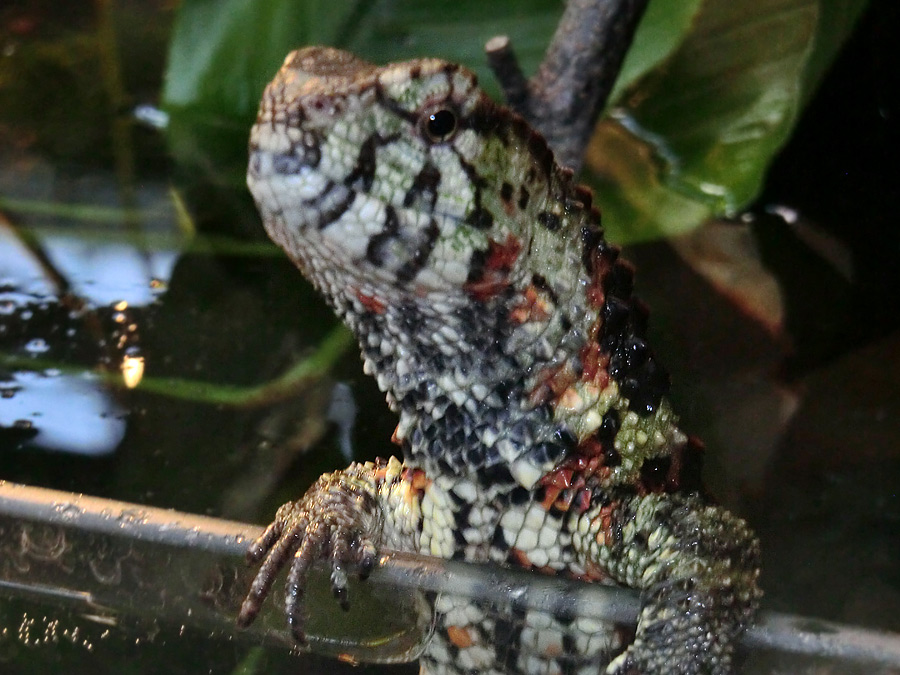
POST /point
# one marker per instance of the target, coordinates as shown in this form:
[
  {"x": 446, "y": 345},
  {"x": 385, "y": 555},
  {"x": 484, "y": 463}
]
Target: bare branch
[
  {"x": 568, "y": 93},
  {"x": 502, "y": 60}
]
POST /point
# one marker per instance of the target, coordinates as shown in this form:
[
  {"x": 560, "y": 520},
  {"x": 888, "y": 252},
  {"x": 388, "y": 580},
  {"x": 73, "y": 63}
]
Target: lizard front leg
[
  {"x": 344, "y": 518},
  {"x": 697, "y": 568}
]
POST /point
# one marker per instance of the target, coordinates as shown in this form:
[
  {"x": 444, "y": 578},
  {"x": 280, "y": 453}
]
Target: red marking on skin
[
  {"x": 591, "y": 447},
  {"x": 592, "y": 572},
  {"x": 553, "y": 650},
  {"x": 519, "y": 557},
  {"x": 417, "y": 478},
  {"x": 460, "y": 636},
  {"x": 552, "y": 384},
  {"x": 380, "y": 474},
  {"x": 594, "y": 361},
  {"x": 567, "y": 488},
  {"x": 602, "y": 264},
  {"x": 555, "y": 385},
  {"x": 560, "y": 478},
  {"x": 551, "y": 494},
  {"x": 533, "y": 307},
  {"x": 605, "y": 520},
  {"x": 499, "y": 263},
  {"x": 371, "y": 303}
]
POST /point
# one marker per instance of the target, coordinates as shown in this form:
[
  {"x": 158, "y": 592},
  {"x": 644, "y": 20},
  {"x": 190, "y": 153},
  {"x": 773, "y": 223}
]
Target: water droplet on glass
[{"x": 67, "y": 510}]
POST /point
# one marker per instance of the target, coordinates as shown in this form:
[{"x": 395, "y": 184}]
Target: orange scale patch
[
  {"x": 553, "y": 384},
  {"x": 519, "y": 557},
  {"x": 417, "y": 478},
  {"x": 461, "y": 636},
  {"x": 605, "y": 520},
  {"x": 534, "y": 307},
  {"x": 593, "y": 572}
]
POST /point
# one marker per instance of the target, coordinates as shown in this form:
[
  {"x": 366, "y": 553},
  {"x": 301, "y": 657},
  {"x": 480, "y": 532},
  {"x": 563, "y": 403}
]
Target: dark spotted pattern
[
  {"x": 421, "y": 251},
  {"x": 549, "y": 220},
  {"x": 375, "y": 252},
  {"x": 524, "y": 196},
  {"x": 331, "y": 204},
  {"x": 360, "y": 179},
  {"x": 424, "y": 188}
]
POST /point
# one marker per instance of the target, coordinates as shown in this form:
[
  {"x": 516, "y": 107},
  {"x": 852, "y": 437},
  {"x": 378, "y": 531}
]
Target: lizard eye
[{"x": 439, "y": 125}]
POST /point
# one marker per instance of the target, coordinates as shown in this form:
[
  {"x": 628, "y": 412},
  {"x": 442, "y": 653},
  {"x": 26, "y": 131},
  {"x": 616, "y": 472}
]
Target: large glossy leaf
[
  {"x": 664, "y": 26},
  {"x": 224, "y": 51},
  {"x": 708, "y": 94},
  {"x": 694, "y": 137}
]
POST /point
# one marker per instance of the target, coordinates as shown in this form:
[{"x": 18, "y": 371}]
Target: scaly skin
[{"x": 534, "y": 420}]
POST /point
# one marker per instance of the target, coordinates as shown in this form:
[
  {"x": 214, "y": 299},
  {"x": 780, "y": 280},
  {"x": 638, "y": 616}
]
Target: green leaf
[
  {"x": 663, "y": 28},
  {"x": 694, "y": 137},
  {"x": 709, "y": 93},
  {"x": 223, "y": 52}
]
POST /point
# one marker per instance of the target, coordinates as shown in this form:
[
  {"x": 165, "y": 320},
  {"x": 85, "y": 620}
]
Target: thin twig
[{"x": 570, "y": 90}]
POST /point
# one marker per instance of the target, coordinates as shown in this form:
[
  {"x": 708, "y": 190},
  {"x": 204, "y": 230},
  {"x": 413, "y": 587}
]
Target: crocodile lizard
[{"x": 534, "y": 419}]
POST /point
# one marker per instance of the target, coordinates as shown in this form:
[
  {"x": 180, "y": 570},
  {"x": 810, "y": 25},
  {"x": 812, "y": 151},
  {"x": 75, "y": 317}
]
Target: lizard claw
[{"x": 335, "y": 520}]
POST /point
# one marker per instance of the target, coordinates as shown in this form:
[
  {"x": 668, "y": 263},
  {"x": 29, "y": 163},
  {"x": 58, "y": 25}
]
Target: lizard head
[{"x": 405, "y": 178}]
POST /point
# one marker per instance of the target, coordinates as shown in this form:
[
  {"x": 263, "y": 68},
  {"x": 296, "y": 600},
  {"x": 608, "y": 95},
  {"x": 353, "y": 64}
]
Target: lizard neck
[{"x": 473, "y": 374}]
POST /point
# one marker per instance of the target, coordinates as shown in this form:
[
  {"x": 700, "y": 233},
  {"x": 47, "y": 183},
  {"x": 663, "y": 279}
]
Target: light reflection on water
[
  {"x": 71, "y": 413},
  {"x": 65, "y": 412},
  {"x": 109, "y": 273}
]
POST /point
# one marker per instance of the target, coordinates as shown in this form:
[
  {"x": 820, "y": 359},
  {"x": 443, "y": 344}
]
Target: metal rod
[{"x": 63, "y": 531}]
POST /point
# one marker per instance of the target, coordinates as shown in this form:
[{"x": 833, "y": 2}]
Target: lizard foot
[
  {"x": 684, "y": 630},
  {"x": 336, "y": 520}
]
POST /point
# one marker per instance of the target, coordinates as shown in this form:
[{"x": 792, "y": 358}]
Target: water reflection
[
  {"x": 65, "y": 302},
  {"x": 107, "y": 273},
  {"x": 68, "y": 413}
]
